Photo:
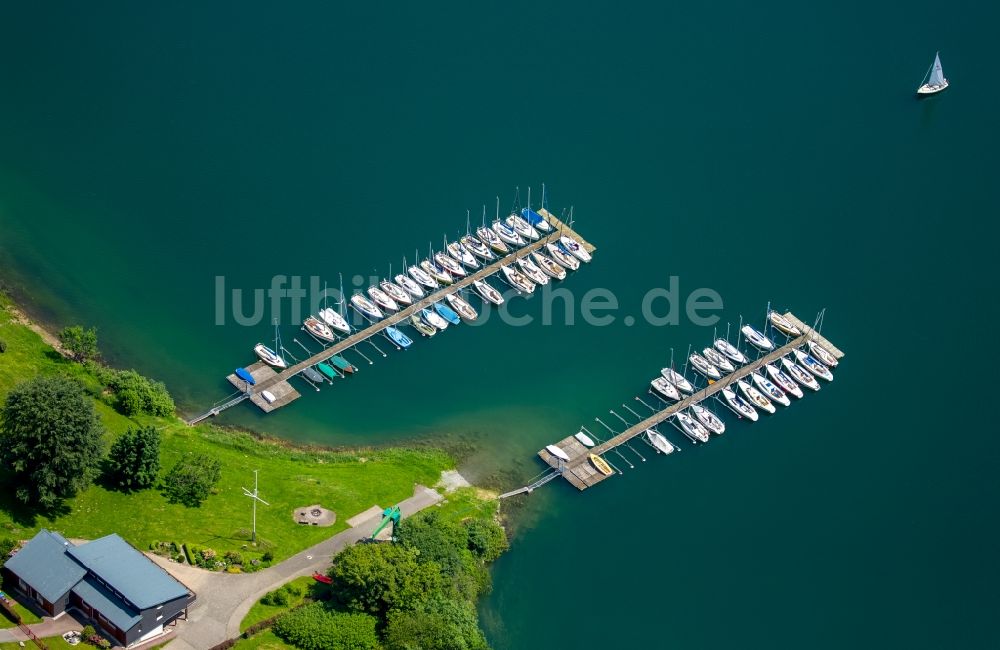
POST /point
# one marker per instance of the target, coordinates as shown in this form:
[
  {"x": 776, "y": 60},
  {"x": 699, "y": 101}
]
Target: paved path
[
  {"x": 48, "y": 627},
  {"x": 224, "y": 599}
]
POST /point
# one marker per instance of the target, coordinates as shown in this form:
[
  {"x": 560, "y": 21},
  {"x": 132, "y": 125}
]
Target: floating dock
[
  {"x": 277, "y": 383},
  {"x": 582, "y": 474}
]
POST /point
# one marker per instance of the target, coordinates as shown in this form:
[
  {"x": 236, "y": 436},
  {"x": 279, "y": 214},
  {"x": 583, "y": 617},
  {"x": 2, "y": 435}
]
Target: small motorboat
[
  {"x": 464, "y": 309},
  {"x": 601, "y": 464},
  {"x": 517, "y": 280},
  {"x": 731, "y": 352},
  {"x": 522, "y": 227},
  {"x": 719, "y": 361},
  {"x": 421, "y": 326},
  {"x": 478, "y": 248},
  {"x": 411, "y": 287},
  {"x": 489, "y": 237},
  {"x": 784, "y": 382},
  {"x": 757, "y": 339},
  {"x": 584, "y": 439},
  {"x": 382, "y": 299},
  {"x": 319, "y": 329},
  {"x": 396, "y": 292},
  {"x": 822, "y": 354},
  {"x": 507, "y": 234},
  {"x": 549, "y": 266},
  {"x": 329, "y": 372},
  {"x": 704, "y": 366},
  {"x": 461, "y": 254},
  {"x": 561, "y": 256},
  {"x": 269, "y": 356},
  {"x": 772, "y": 392},
  {"x": 677, "y": 379},
  {"x": 666, "y": 389},
  {"x": 334, "y": 320},
  {"x": 532, "y": 271},
  {"x": 800, "y": 374},
  {"x": 437, "y": 272},
  {"x": 449, "y": 265},
  {"x": 366, "y": 307},
  {"x": 783, "y": 324},
  {"x": 692, "y": 427},
  {"x": 431, "y": 318},
  {"x": 245, "y": 375},
  {"x": 445, "y": 312},
  {"x": 557, "y": 452},
  {"x": 343, "y": 364},
  {"x": 755, "y": 398},
  {"x": 312, "y": 375},
  {"x": 659, "y": 442},
  {"x": 536, "y": 220},
  {"x": 397, "y": 337},
  {"x": 575, "y": 248},
  {"x": 268, "y": 396},
  {"x": 813, "y": 366},
  {"x": 424, "y": 278},
  {"x": 740, "y": 405},
  {"x": 487, "y": 292},
  {"x": 711, "y": 421}
]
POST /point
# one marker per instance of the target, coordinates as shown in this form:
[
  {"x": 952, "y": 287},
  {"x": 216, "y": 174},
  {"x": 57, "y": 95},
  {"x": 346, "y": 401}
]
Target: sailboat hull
[{"x": 928, "y": 89}]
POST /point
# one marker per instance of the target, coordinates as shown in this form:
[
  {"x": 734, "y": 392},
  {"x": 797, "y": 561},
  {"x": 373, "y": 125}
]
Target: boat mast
[{"x": 498, "y": 210}]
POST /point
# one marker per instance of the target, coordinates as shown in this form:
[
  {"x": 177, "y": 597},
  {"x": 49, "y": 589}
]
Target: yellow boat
[{"x": 601, "y": 465}]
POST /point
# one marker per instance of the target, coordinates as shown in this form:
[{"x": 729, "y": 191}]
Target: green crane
[{"x": 389, "y": 516}]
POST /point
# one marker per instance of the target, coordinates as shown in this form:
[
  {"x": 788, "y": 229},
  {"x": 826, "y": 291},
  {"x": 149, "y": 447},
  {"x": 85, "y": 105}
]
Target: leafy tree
[
  {"x": 375, "y": 578},
  {"x": 136, "y": 394},
  {"x": 438, "y": 624},
  {"x": 446, "y": 543},
  {"x": 487, "y": 539},
  {"x": 191, "y": 480},
  {"x": 134, "y": 459},
  {"x": 6, "y": 546},
  {"x": 51, "y": 439},
  {"x": 80, "y": 342},
  {"x": 313, "y": 627}
]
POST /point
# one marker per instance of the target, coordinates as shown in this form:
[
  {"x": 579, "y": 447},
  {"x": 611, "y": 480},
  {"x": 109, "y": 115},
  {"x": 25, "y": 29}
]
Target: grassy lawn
[
  {"x": 345, "y": 481},
  {"x": 27, "y": 617},
  {"x": 260, "y": 611},
  {"x": 266, "y": 640},
  {"x": 53, "y": 643}
]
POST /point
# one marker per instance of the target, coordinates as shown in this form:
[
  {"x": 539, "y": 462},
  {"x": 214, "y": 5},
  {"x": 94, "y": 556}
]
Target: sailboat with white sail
[{"x": 934, "y": 80}]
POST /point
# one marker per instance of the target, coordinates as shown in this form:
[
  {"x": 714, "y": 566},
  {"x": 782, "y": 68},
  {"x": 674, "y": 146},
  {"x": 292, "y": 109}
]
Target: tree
[
  {"x": 50, "y": 439},
  {"x": 313, "y": 627},
  {"x": 437, "y": 624},
  {"x": 487, "y": 539},
  {"x": 80, "y": 342},
  {"x": 136, "y": 394},
  {"x": 374, "y": 578},
  {"x": 134, "y": 459},
  {"x": 191, "y": 480}
]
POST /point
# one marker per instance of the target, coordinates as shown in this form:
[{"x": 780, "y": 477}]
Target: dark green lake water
[{"x": 766, "y": 152}]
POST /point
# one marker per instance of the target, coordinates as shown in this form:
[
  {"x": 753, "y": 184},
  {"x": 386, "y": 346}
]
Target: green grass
[
  {"x": 27, "y": 616},
  {"x": 345, "y": 481},
  {"x": 260, "y": 611},
  {"x": 53, "y": 643},
  {"x": 266, "y": 640},
  {"x": 468, "y": 503}
]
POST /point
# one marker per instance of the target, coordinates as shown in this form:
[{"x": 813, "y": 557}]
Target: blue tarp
[{"x": 245, "y": 375}]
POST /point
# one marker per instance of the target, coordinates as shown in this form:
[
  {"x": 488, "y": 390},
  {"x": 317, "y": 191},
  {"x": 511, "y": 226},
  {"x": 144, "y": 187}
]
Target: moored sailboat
[
  {"x": 562, "y": 257},
  {"x": 665, "y": 388},
  {"x": 719, "y": 361},
  {"x": 464, "y": 309},
  {"x": 813, "y": 366},
  {"x": 755, "y": 397},
  {"x": 432, "y": 318},
  {"x": 532, "y": 271},
  {"x": 423, "y": 277},
  {"x": 436, "y": 272},
  {"x": 659, "y": 442},
  {"x": 411, "y": 287},
  {"x": 478, "y": 248},
  {"x": 677, "y": 379},
  {"x": 757, "y": 339},
  {"x": 711, "y": 421},
  {"x": 397, "y": 337},
  {"x": 333, "y": 318},
  {"x": 740, "y": 405},
  {"x": 773, "y": 393},
  {"x": 704, "y": 366},
  {"x": 522, "y": 227},
  {"x": 489, "y": 237},
  {"x": 366, "y": 307},
  {"x": 783, "y": 381},
  {"x": 319, "y": 329},
  {"x": 422, "y": 327},
  {"x": 823, "y": 354},
  {"x": 396, "y": 292},
  {"x": 507, "y": 234},
  {"x": 382, "y": 299},
  {"x": 517, "y": 280},
  {"x": 783, "y": 324},
  {"x": 269, "y": 356},
  {"x": 487, "y": 292},
  {"x": 575, "y": 248},
  {"x": 800, "y": 374},
  {"x": 549, "y": 266},
  {"x": 730, "y": 350},
  {"x": 692, "y": 427}
]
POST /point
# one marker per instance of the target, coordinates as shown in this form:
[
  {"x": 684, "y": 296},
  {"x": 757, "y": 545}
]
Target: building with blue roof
[{"x": 125, "y": 593}]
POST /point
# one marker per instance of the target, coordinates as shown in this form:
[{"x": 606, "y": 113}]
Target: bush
[
  {"x": 136, "y": 394},
  {"x": 6, "y": 546},
  {"x": 134, "y": 459},
  {"x": 88, "y": 632},
  {"x": 487, "y": 539},
  {"x": 3, "y": 346},
  {"x": 80, "y": 342},
  {"x": 233, "y": 557},
  {"x": 191, "y": 480},
  {"x": 267, "y": 557},
  {"x": 313, "y": 627},
  {"x": 276, "y": 598}
]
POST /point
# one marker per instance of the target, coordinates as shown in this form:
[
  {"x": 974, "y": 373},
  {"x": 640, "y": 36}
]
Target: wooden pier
[
  {"x": 582, "y": 474},
  {"x": 276, "y": 383}
]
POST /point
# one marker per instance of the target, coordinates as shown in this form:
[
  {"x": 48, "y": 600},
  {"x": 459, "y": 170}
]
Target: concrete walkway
[
  {"x": 48, "y": 627},
  {"x": 224, "y": 599}
]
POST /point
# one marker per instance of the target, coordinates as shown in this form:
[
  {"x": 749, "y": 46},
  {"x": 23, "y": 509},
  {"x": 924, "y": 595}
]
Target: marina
[
  {"x": 270, "y": 388},
  {"x": 584, "y": 466}
]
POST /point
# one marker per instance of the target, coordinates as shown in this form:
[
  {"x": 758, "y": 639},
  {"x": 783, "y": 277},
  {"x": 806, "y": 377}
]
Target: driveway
[{"x": 224, "y": 599}]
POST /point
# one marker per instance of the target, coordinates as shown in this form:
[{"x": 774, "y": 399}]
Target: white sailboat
[
  {"x": 507, "y": 234},
  {"x": 783, "y": 324},
  {"x": 823, "y": 354},
  {"x": 757, "y": 339},
  {"x": 396, "y": 292},
  {"x": 692, "y": 427},
  {"x": 464, "y": 309},
  {"x": 549, "y": 266},
  {"x": 934, "y": 78},
  {"x": 433, "y": 319},
  {"x": 711, "y": 421},
  {"x": 334, "y": 320},
  {"x": 557, "y": 452},
  {"x": 423, "y": 277},
  {"x": 366, "y": 306},
  {"x": 659, "y": 442},
  {"x": 522, "y": 227},
  {"x": 411, "y": 287},
  {"x": 813, "y": 366},
  {"x": 731, "y": 351},
  {"x": 800, "y": 374},
  {"x": 436, "y": 272},
  {"x": 719, "y": 361},
  {"x": 490, "y": 238},
  {"x": 561, "y": 256},
  {"x": 488, "y": 292},
  {"x": 460, "y": 253},
  {"x": 531, "y": 270},
  {"x": 382, "y": 299},
  {"x": 449, "y": 265},
  {"x": 575, "y": 248},
  {"x": 517, "y": 279},
  {"x": 478, "y": 248},
  {"x": 704, "y": 366},
  {"x": 755, "y": 397},
  {"x": 666, "y": 389},
  {"x": 740, "y": 405},
  {"x": 783, "y": 381},
  {"x": 677, "y": 379},
  {"x": 773, "y": 393}
]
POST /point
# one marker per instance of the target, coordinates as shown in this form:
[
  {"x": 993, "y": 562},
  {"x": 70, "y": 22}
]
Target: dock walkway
[{"x": 582, "y": 474}]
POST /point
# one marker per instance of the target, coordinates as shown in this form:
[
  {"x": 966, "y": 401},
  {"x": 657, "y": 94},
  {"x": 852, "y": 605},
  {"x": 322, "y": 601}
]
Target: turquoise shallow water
[{"x": 768, "y": 153}]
